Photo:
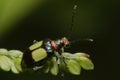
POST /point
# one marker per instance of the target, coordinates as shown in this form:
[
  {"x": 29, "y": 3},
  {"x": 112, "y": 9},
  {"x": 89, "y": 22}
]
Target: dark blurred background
[{"x": 23, "y": 21}]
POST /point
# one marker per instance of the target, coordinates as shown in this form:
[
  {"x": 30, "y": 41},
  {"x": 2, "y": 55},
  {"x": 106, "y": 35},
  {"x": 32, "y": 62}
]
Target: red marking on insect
[
  {"x": 57, "y": 44},
  {"x": 54, "y": 45},
  {"x": 65, "y": 41}
]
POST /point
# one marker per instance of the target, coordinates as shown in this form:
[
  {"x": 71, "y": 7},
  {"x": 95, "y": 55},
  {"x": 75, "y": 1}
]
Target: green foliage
[
  {"x": 73, "y": 67},
  {"x": 68, "y": 62},
  {"x": 10, "y": 60},
  {"x": 54, "y": 66}
]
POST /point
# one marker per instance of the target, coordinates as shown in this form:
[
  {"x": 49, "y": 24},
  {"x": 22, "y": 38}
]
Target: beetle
[
  {"x": 38, "y": 53},
  {"x": 51, "y": 53}
]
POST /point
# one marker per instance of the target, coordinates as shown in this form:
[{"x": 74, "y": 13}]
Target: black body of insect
[{"x": 41, "y": 51}]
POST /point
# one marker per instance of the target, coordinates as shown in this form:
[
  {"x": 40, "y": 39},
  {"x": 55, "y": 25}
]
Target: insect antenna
[
  {"x": 72, "y": 25},
  {"x": 72, "y": 21},
  {"x": 86, "y": 40}
]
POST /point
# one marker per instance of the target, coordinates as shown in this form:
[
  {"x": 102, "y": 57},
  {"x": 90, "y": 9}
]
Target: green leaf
[
  {"x": 62, "y": 64},
  {"x": 10, "y": 60},
  {"x": 36, "y": 45},
  {"x": 4, "y": 63},
  {"x": 15, "y": 54},
  {"x": 13, "y": 67},
  {"x": 39, "y": 54},
  {"x": 80, "y": 54},
  {"x": 3, "y": 51},
  {"x": 47, "y": 67},
  {"x": 17, "y": 63},
  {"x": 73, "y": 67},
  {"x": 54, "y": 66},
  {"x": 86, "y": 63},
  {"x": 68, "y": 55}
]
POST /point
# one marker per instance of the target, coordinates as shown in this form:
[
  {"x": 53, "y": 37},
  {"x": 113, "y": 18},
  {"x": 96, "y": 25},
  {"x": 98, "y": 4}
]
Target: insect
[
  {"x": 38, "y": 53},
  {"x": 41, "y": 51}
]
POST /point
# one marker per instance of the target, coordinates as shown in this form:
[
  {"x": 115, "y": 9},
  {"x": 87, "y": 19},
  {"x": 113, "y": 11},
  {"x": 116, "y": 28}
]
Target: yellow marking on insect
[
  {"x": 36, "y": 45},
  {"x": 39, "y": 54}
]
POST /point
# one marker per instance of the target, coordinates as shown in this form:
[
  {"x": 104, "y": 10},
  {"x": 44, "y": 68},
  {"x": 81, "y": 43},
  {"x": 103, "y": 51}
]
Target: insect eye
[{"x": 67, "y": 45}]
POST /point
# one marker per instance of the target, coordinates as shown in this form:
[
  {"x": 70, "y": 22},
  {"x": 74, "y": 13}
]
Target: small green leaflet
[{"x": 73, "y": 67}]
